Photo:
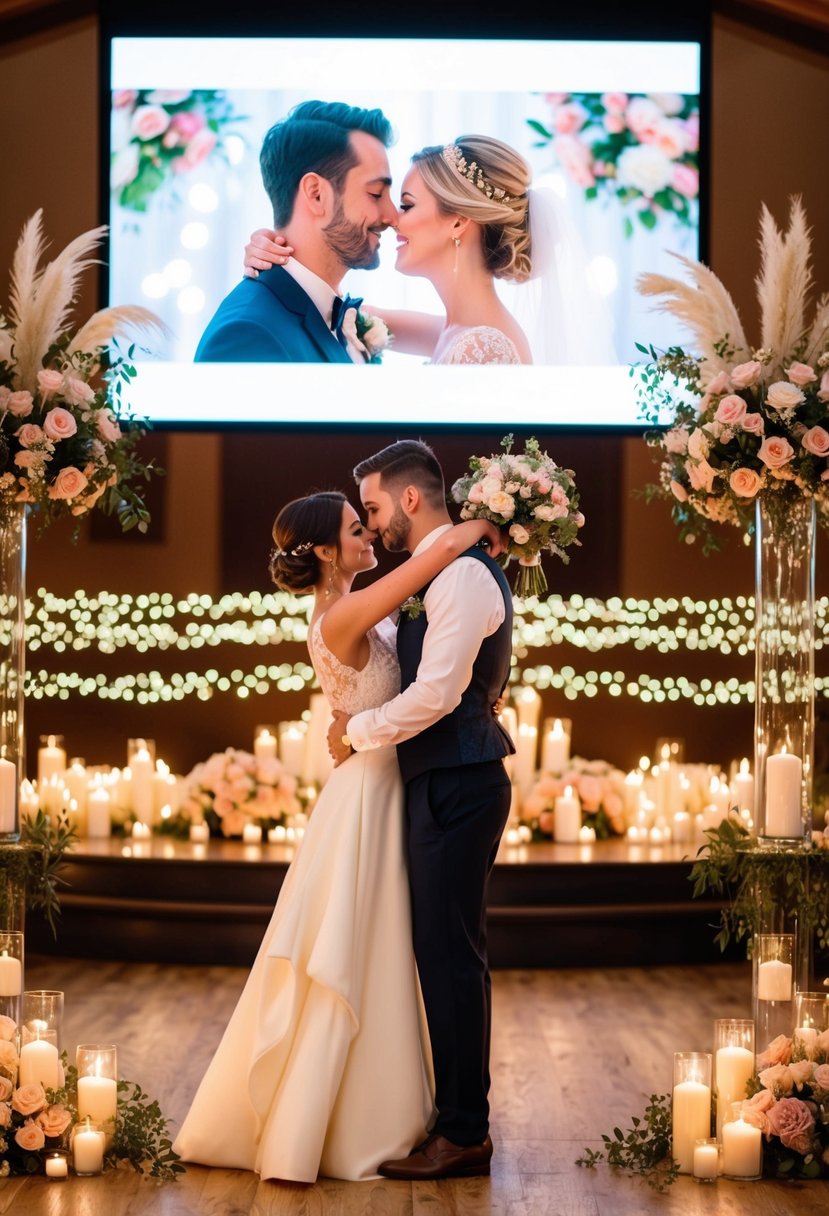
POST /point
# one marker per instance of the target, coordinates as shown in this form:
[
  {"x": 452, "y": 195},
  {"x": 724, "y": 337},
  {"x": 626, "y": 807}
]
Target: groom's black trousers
[{"x": 455, "y": 818}]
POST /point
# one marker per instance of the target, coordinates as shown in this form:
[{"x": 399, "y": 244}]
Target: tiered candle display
[
  {"x": 690, "y": 1105},
  {"x": 733, "y": 1063}
]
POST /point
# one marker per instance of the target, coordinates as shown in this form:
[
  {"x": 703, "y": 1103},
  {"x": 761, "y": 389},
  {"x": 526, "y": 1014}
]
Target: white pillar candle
[
  {"x": 528, "y": 707},
  {"x": 317, "y": 763},
  {"x": 292, "y": 747},
  {"x": 526, "y": 747},
  {"x": 633, "y": 792},
  {"x": 743, "y": 788},
  {"x": 252, "y": 833},
  {"x": 784, "y": 799},
  {"x": 97, "y": 1098},
  {"x": 38, "y": 1064},
  {"x": 199, "y": 832},
  {"x": 8, "y": 794},
  {"x": 11, "y": 975},
  {"x": 587, "y": 835},
  {"x": 807, "y": 1035},
  {"x": 567, "y": 817},
  {"x": 690, "y": 1121},
  {"x": 56, "y": 1166},
  {"x": 77, "y": 783},
  {"x": 555, "y": 748},
  {"x": 742, "y": 1149},
  {"x": 509, "y": 720},
  {"x": 734, "y": 1067},
  {"x": 51, "y": 760},
  {"x": 98, "y": 818},
  {"x": 706, "y": 1160},
  {"x": 264, "y": 744},
  {"x": 142, "y": 773},
  {"x": 774, "y": 981},
  {"x": 681, "y": 830},
  {"x": 87, "y": 1149}
]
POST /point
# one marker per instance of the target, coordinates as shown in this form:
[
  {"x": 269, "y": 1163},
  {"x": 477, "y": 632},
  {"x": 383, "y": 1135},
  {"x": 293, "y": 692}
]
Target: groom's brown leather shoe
[{"x": 438, "y": 1157}]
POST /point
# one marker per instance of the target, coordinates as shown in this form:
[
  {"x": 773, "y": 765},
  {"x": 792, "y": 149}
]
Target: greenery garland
[
  {"x": 31, "y": 865},
  {"x": 645, "y": 1149}
]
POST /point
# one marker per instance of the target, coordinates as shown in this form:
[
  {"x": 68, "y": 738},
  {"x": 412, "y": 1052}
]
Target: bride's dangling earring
[
  {"x": 457, "y": 241},
  {"x": 332, "y": 576}
]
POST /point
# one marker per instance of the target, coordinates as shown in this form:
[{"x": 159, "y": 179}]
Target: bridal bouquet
[
  {"x": 161, "y": 134},
  {"x": 644, "y": 150},
  {"x": 532, "y": 498},
  {"x": 232, "y": 788},
  {"x": 66, "y": 445},
  {"x": 601, "y": 791},
  {"x": 790, "y": 1105},
  {"x": 744, "y": 420}
]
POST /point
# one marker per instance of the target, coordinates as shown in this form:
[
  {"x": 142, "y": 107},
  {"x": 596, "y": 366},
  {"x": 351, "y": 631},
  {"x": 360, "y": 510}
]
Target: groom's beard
[
  {"x": 396, "y": 536},
  {"x": 350, "y": 243}
]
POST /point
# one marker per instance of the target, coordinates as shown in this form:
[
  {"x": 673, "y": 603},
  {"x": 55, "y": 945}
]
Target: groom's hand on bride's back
[
  {"x": 265, "y": 248},
  {"x": 496, "y": 542}
]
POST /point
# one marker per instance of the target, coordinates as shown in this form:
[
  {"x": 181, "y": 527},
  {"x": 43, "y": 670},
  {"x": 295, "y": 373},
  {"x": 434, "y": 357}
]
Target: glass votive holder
[
  {"x": 690, "y": 1105},
  {"x": 742, "y": 1147},
  {"x": 733, "y": 1063},
  {"x": 88, "y": 1143},
  {"x": 11, "y": 974},
  {"x": 706, "y": 1159},
  {"x": 772, "y": 986},
  {"x": 42, "y": 1015},
  {"x": 56, "y": 1164},
  {"x": 97, "y": 1065},
  {"x": 811, "y": 1019}
]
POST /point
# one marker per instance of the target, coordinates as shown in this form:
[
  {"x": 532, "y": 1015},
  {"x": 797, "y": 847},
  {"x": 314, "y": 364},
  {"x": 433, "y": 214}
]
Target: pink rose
[
  {"x": 643, "y": 117},
  {"x": 679, "y": 492},
  {"x": 823, "y": 391},
  {"x": 778, "y": 1079},
  {"x": 701, "y": 475},
  {"x": 49, "y": 381},
  {"x": 816, "y": 441},
  {"x": 801, "y": 1072},
  {"x": 569, "y": 118},
  {"x": 5, "y": 1115},
  {"x": 123, "y": 99},
  {"x": 6, "y": 1089},
  {"x": 731, "y": 410},
  {"x": 108, "y": 428},
  {"x": 168, "y": 97},
  {"x": 756, "y": 1108},
  {"x": 476, "y": 492},
  {"x": 692, "y": 132},
  {"x": 801, "y": 374},
  {"x": 676, "y": 441},
  {"x": 745, "y": 483},
  {"x": 721, "y": 383},
  {"x": 29, "y": 434},
  {"x": 148, "y": 122},
  {"x": 775, "y": 452},
  {"x": 779, "y": 1051},
  {"x": 793, "y": 1122},
  {"x": 69, "y": 483},
  {"x": 754, "y": 424},
  {"x": 186, "y": 123},
  {"x": 685, "y": 180},
  {"x": 54, "y": 1120},
  {"x": 746, "y": 374},
  {"x": 576, "y": 159},
  {"x": 20, "y": 403},
  {"x": 77, "y": 391},
  {"x": 7, "y": 1028},
  {"x": 669, "y": 137},
  {"x": 578, "y": 519},
  {"x": 615, "y": 103},
  {"x": 198, "y": 149},
  {"x": 822, "y": 1077},
  {"x": 519, "y": 535},
  {"x": 614, "y": 124},
  {"x": 30, "y": 1137},
  {"x": 29, "y": 1099},
  {"x": 59, "y": 424}
]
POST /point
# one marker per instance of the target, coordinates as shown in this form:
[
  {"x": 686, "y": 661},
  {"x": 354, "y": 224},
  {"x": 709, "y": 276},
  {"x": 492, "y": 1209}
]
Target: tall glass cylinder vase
[
  {"x": 784, "y": 706},
  {"x": 12, "y": 666}
]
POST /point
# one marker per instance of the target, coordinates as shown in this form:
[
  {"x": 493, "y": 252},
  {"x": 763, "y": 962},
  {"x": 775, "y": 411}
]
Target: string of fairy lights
[{"x": 106, "y": 623}]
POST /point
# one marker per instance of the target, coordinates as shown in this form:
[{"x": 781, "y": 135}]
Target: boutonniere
[
  {"x": 370, "y": 335},
  {"x": 412, "y": 607}
]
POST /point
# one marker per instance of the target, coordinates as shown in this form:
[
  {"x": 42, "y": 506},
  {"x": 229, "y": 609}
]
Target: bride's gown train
[{"x": 321, "y": 1068}]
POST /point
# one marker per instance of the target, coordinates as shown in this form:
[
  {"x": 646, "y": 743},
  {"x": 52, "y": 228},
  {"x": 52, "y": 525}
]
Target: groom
[
  {"x": 454, "y": 662},
  {"x": 327, "y": 175}
]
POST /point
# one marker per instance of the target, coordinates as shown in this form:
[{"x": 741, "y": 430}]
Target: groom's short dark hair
[
  {"x": 407, "y": 462},
  {"x": 314, "y": 138}
]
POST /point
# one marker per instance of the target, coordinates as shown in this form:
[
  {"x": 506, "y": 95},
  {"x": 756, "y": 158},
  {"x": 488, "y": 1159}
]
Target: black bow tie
[{"x": 341, "y": 306}]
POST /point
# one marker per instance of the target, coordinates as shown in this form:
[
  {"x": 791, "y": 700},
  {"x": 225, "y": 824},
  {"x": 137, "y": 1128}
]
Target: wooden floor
[{"x": 574, "y": 1052}]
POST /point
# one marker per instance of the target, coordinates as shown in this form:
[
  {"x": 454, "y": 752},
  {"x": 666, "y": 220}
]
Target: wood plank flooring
[{"x": 574, "y": 1052}]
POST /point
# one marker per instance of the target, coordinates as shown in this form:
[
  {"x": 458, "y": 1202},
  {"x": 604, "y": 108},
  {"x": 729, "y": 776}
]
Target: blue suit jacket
[{"x": 269, "y": 320}]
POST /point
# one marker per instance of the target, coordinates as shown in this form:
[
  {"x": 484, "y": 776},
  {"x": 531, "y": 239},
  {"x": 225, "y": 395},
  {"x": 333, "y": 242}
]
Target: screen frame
[{"x": 685, "y": 20}]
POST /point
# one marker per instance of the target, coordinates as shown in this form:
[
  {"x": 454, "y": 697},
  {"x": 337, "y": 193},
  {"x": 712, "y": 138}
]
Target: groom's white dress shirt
[
  {"x": 322, "y": 296},
  {"x": 464, "y": 605}
]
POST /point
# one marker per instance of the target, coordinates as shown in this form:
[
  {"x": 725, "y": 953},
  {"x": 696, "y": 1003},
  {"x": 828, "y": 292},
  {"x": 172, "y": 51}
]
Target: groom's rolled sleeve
[{"x": 463, "y": 605}]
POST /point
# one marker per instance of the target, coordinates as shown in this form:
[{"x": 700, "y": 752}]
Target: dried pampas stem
[
  {"x": 109, "y": 323},
  {"x": 784, "y": 282}
]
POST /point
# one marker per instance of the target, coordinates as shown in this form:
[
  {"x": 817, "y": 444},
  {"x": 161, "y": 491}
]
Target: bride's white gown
[
  {"x": 321, "y": 1069},
  {"x": 480, "y": 344}
]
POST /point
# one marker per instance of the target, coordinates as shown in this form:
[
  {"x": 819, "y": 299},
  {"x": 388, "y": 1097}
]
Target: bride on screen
[{"x": 469, "y": 216}]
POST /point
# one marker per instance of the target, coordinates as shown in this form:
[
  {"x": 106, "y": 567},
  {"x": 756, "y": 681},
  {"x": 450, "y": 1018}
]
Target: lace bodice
[
  {"x": 481, "y": 344},
  {"x": 353, "y": 691}
]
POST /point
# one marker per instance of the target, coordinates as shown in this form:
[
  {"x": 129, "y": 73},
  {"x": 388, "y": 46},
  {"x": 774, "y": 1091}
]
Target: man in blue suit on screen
[{"x": 326, "y": 172}]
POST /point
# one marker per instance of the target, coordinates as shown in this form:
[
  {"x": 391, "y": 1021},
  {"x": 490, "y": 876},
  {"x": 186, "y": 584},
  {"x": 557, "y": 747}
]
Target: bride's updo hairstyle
[
  {"x": 485, "y": 180},
  {"x": 299, "y": 526}
]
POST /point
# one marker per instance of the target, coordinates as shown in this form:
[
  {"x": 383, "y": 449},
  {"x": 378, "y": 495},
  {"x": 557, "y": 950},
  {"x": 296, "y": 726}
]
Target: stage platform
[{"x": 612, "y": 903}]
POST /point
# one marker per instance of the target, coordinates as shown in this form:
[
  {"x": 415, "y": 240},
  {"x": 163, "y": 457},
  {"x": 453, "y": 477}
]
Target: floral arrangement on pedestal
[
  {"x": 600, "y": 788},
  {"x": 642, "y": 150},
  {"x": 233, "y": 788},
  {"x": 744, "y": 421},
  {"x": 789, "y": 1102},
  {"x": 160, "y": 135},
  {"x": 66, "y": 443},
  {"x": 34, "y": 1120},
  {"x": 529, "y": 496}
]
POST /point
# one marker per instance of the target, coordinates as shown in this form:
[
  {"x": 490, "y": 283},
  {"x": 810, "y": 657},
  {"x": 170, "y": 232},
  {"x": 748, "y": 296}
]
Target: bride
[
  {"x": 468, "y": 217},
  {"x": 322, "y": 1068}
]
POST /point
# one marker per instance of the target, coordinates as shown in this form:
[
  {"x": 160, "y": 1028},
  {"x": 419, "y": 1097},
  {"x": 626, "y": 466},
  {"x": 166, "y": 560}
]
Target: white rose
[
  {"x": 698, "y": 444},
  {"x": 676, "y": 441},
  {"x": 519, "y": 535},
  {"x": 546, "y": 513},
  {"x": 645, "y": 168},
  {"x": 124, "y": 167},
  {"x": 784, "y": 396},
  {"x": 376, "y": 337},
  {"x": 502, "y": 504},
  {"x": 491, "y": 485}
]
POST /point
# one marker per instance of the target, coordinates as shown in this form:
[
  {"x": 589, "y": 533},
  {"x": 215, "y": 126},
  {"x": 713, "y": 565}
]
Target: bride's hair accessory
[
  {"x": 473, "y": 173},
  {"x": 295, "y": 552}
]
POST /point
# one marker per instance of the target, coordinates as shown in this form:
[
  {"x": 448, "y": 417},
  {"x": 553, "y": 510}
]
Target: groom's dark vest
[{"x": 470, "y": 734}]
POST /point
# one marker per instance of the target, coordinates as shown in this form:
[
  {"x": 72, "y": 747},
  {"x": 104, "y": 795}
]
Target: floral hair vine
[
  {"x": 297, "y": 551},
  {"x": 473, "y": 173}
]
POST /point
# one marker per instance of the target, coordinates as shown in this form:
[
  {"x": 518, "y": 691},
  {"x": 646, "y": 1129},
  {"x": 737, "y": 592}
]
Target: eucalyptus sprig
[
  {"x": 33, "y": 863},
  {"x": 644, "y": 1149},
  {"x": 141, "y": 1135}
]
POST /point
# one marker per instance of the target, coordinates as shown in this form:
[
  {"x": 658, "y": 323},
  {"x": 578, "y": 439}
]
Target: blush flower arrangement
[
  {"x": 159, "y": 135},
  {"x": 642, "y": 150},
  {"x": 233, "y": 788},
  {"x": 66, "y": 443},
  {"x": 789, "y": 1102},
  {"x": 744, "y": 421},
  {"x": 600, "y": 789},
  {"x": 529, "y": 496}
]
